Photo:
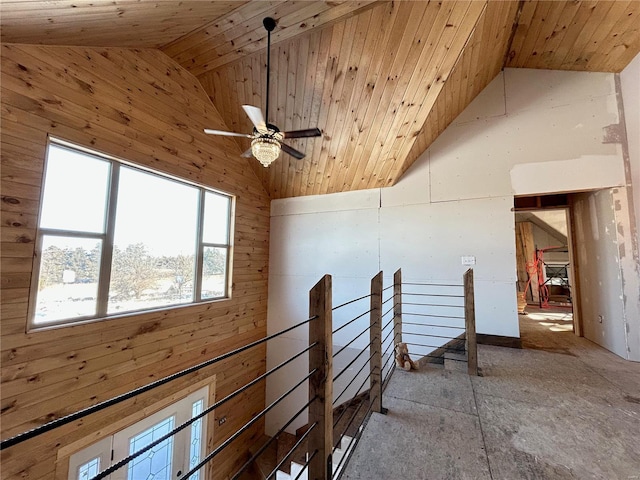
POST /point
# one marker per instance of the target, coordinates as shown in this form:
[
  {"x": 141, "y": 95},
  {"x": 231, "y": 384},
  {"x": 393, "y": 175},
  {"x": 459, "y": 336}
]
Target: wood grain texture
[
  {"x": 381, "y": 79},
  {"x": 122, "y": 23},
  {"x": 478, "y": 64},
  {"x": 141, "y": 106},
  {"x": 368, "y": 84},
  {"x": 577, "y": 35}
]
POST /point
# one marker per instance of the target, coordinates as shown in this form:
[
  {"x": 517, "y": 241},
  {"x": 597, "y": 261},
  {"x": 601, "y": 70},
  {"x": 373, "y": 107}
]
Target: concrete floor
[{"x": 559, "y": 408}]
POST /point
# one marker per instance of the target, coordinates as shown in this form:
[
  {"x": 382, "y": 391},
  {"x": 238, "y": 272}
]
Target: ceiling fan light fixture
[{"x": 265, "y": 150}]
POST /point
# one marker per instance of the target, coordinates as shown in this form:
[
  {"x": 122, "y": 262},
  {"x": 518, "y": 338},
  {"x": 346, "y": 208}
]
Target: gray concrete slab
[
  {"x": 529, "y": 440},
  {"x": 419, "y": 442},
  {"x": 433, "y": 386},
  {"x": 560, "y": 408}
]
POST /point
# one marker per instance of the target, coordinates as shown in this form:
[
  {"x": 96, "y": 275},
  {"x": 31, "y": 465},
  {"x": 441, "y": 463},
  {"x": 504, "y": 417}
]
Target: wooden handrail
[
  {"x": 375, "y": 338},
  {"x": 470, "y": 324},
  {"x": 321, "y": 383}
]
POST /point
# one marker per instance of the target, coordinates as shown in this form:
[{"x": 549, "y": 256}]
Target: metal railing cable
[
  {"x": 351, "y": 321},
  {"x": 245, "y": 427},
  {"x": 387, "y": 300},
  {"x": 21, "y": 437},
  {"x": 432, "y": 325},
  {"x": 352, "y": 361},
  {"x": 387, "y": 336},
  {"x": 335, "y": 422},
  {"x": 121, "y": 463},
  {"x": 357, "y": 437},
  {"x": 433, "y": 316},
  {"x": 351, "y": 341},
  {"x": 432, "y": 295},
  {"x": 391, "y": 357},
  {"x": 388, "y": 311},
  {"x": 387, "y": 324},
  {"x": 293, "y": 449},
  {"x": 306, "y": 465},
  {"x": 388, "y": 287},
  {"x": 346, "y": 428},
  {"x": 430, "y": 335},
  {"x": 259, "y": 452},
  {"x": 435, "y": 284},
  {"x": 439, "y": 347},
  {"x": 350, "y": 302},
  {"x": 439, "y": 357},
  {"x": 354, "y": 379},
  {"x": 432, "y": 305}
]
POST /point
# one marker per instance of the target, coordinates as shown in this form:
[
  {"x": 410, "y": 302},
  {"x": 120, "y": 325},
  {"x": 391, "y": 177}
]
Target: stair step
[
  {"x": 346, "y": 444},
  {"x": 456, "y": 362}
]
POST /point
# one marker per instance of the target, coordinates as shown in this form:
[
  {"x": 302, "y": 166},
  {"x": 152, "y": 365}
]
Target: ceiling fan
[{"x": 267, "y": 139}]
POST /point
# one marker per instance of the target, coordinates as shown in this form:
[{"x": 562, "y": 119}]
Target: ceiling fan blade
[
  {"x": 291, "y": 151},
  {"x": 227, "y": 134},
  {"x": 256, "y": 117},
  {"x": 247, "y": 154},
  {"x": 309, "y": 132}
]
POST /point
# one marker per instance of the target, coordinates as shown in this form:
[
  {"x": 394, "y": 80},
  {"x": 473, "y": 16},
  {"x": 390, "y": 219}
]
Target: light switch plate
[{"x": 468, "y": 260}]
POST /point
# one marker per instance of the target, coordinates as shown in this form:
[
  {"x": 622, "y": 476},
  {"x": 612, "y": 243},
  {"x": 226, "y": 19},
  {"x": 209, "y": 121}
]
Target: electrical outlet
[
  {"x": 600, "y": 318},
  {"x": 221, "y": 420}
]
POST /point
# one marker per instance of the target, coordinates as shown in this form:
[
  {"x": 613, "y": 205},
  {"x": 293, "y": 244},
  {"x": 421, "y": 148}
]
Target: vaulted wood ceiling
[{"x": 381, "y": 79}]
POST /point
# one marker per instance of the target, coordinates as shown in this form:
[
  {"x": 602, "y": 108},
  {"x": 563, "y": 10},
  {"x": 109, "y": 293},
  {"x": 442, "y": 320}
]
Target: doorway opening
[{"x": 546, "y": 286}]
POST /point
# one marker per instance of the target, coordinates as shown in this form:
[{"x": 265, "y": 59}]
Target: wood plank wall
[{"x": 141, "y": 106}]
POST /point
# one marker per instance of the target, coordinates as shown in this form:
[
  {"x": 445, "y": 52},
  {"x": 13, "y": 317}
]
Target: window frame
[
  {"x": 107, "y": 237},
  {"x": 111, "y": 447}
]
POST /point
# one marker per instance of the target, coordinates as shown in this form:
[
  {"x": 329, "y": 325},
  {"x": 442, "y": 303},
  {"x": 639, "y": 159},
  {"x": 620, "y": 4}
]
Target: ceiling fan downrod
[{"x": 269, "y": 24}]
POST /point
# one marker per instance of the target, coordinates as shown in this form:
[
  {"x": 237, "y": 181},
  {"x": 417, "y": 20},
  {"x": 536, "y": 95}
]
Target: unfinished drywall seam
[{"x": 627, "y": 240}]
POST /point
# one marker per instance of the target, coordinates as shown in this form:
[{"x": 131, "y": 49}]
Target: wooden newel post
[
  {"x": 470, "y": 324},
  {"x": 397, "y": 307},
  {"x": 375, "y": 339},
  {"x": 321, "y": 382}
]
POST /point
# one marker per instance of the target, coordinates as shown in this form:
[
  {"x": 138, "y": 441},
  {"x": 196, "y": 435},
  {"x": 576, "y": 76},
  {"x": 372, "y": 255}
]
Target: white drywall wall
[
  {"x": 630, "y": 83},
  {"x": 455, "y": 200},
  {"x": 599, "y": 272},
  {"x": 630, "y": 86}
]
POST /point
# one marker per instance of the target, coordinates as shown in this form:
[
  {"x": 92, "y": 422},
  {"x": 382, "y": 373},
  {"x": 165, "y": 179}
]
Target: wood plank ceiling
[{"x": 381, "y": 79}]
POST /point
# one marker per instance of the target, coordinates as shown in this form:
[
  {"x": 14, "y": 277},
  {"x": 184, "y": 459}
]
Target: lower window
[{"x": 169, "y": 459}]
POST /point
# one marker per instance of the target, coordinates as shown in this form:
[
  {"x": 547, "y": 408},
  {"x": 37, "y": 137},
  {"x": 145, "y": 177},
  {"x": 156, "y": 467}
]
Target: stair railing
[
  {"x": 438, "y": 318},
  {"x": 319, "y": 436}
]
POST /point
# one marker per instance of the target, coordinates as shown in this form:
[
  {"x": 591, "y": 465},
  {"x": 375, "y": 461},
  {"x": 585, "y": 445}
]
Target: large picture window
[{"x": 114, "y": 238}]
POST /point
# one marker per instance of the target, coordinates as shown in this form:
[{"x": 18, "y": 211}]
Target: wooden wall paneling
[
  {"x": 293, "y": 19},
  {"x": 127, "y": 23},
  {"x": 248, "y": 37},
  {"x": 358, "y": 65},
  {"x": 421, "y": 80},
  {"x": 33, "y": 353},
  {"x": 618, "y": 42},
  {"x": 314, "y": 91},
  {"x": 489, "y": 42},
  {"x": 447, "y": 52},
  {"x": 277, "y": 95},
  {"x": 366, "y": 156},
  {"x": 549, "y": 13},
  {"x": 582, "y": 57},
  {"x": 301, "y": 109},
  {"x": 48, "y": 373},
  {"x": 396, "y": 15},
  {"x": 533, "y": 11},
  {"x": 576, "y": 28},
  {"x": 199, "y": 40},
  {"x": 557, "y": 35},
  {"x": 439, "y": 65},
  {"x": 341, "y": 89},
  {"x": 330, "y": 78},
  {"x": 576, "y": 35},
  {"x": 118, "y": 123}
]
